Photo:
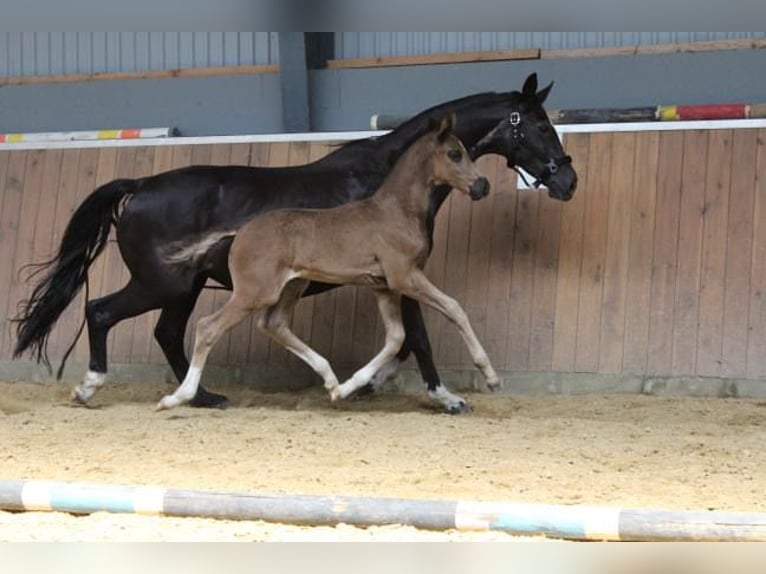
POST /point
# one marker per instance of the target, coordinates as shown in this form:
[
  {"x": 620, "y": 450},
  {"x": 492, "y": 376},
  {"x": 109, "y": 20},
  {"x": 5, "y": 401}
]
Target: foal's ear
[{"x": 446, "y": 125}]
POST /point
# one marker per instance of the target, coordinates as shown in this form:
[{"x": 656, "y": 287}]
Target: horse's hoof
[
  {"x": 207, "y": 400},
  {"x": 460, "y": 408},
  {"x": 77, "y": 398}
]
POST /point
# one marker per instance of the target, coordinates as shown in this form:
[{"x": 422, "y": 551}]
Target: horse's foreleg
[
  {"x": 169, "y": 333},
  {"x": 417, "y": 340},
  {"x": 419, "y": 287},
  {"x": 390, "y": 310},
  {"x": 209, "y": 330},
  {"x": 102, "y": 314}
]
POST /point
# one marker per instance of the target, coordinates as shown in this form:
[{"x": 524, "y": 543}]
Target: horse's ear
[
  {"x": 542, "y": 94},
  {"x": 446, "y": 125},
  {"x": 433, "y": 124},
  {"x": 530, "y": 85}
]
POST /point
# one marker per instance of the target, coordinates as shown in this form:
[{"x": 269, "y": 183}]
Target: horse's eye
[
  {"x": 544, "y": 128},
  {"x": 455, "y": 155}
]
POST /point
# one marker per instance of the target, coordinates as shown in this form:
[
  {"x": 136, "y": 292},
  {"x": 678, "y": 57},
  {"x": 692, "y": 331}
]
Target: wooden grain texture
[
  {"x": 713, "y": 270},
  {"x": 522, "y": 280},
  {"x": 13, "y": 200},
  {"x": 571, "y": 239},
  {"x": 594, "y": 252},
  {"x": 665, "y": 254},
  {"x": 641, "y": 219},
  {"x": 739, "y": 247},
  {"x": 689, "y": 263},
  {"x": 756, "y": 342},
  {"x": 503, "y": 198},
  {"x": 23, "y": 253},
  {"x": 616, "y": 258},
  {"x": 544, "y": 287}
]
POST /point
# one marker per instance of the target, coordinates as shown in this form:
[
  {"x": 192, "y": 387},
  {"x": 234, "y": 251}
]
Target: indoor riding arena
[{"x": 628, "y": 324}]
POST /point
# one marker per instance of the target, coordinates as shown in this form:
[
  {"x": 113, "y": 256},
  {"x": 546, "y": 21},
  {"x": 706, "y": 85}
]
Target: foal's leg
[
  {"x": 274, "y": 322},
  {"x": 417, "y": 286},
  {"x": 416, "y": 341},
  {"x": 209, "y": 330},
  {"x": 391, "y": 312}
]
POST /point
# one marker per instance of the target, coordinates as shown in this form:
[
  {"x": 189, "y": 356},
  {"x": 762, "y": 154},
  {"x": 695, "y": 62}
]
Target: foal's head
[
  {"x": 450, "y": 162},
  {"x": 527, "y": 139}
]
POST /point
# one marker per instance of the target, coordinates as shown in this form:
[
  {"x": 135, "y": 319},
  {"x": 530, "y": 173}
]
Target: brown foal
[{"x": 381, "y": 242}]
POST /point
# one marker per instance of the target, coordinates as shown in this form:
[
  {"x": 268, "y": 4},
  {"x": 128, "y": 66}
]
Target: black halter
[{"x": 518, "y": 136}]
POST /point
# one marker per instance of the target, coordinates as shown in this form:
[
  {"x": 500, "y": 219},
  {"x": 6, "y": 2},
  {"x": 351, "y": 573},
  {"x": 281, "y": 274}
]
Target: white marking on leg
[
  {"x": 90, "y": 384},
  {"x": 451, "y": 402},
  {"x": 389, "y": 306},
  {"x": 185, "y": 392},
  {"x": 386, "y": 373}
]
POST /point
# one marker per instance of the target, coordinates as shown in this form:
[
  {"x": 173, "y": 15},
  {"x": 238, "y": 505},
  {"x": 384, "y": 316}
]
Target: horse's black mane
[{"x": 416, "y": 126}]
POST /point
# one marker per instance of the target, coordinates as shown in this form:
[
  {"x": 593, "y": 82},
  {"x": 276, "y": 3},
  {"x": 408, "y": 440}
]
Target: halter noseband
[{"x": 551, "y": 166}]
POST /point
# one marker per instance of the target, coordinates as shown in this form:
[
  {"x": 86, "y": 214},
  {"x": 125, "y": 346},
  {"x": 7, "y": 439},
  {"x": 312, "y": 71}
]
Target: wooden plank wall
[{"x": 657, "y": 266}]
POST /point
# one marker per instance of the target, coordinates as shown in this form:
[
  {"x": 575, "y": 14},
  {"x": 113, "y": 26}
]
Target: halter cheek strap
[{"x": 551, "y": 166}]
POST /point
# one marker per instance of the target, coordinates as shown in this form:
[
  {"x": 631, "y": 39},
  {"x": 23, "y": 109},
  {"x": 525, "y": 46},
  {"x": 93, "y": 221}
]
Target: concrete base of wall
[{"x": 409, "y": 381}]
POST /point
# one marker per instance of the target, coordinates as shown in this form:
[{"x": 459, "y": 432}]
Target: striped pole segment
[
  {"x": 554, "y": 521},
  {"x": 623, "y": 115},
  {"x": 92, "y": 135}
]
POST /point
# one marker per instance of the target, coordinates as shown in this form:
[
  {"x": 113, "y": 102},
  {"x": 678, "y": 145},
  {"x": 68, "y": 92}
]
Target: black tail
[{"x": 84, "y": 239}]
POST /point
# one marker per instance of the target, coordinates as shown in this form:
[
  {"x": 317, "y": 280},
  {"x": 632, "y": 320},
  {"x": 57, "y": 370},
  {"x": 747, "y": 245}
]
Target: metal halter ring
[
  {"x": 552, "y": 166},
  {"x": 515, "y": 118}
]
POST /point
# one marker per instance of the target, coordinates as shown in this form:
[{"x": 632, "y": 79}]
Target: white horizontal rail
[{"x": 354, "y": 135}]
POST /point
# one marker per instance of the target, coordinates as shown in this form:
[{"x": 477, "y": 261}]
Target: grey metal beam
[{"x": 294, "y": 82}]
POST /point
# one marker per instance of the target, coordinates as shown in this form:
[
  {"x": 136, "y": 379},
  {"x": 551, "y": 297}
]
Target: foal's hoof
[
  {"x": 207, "y": 400},
  {"x": 495, "y": 385}
]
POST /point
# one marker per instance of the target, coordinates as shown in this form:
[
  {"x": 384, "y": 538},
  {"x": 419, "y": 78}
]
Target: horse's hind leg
[
  {"x": 274, "y": 323},
  {"x": 169, "y": 333},
  {"x": 390, "y": 310},
  {"x": 102, "y": 314},
  {"x": 209, "y": 330}
]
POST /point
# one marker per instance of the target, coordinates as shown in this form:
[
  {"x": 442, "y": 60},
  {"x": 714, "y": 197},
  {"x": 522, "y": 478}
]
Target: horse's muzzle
[{"x": 479, "y": 188}]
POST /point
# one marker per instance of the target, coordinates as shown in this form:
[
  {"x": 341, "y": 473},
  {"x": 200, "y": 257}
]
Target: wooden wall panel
[{"x": 655, "y": 267}]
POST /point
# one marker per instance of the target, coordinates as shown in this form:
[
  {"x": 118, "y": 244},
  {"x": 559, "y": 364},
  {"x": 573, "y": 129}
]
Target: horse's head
[
  {"x": 451, "y": 163},
  {"x": 527, "y": 139}
]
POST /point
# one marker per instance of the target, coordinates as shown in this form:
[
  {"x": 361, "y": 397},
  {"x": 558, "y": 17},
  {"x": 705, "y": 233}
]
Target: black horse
[{"x": 194, "y": 205}]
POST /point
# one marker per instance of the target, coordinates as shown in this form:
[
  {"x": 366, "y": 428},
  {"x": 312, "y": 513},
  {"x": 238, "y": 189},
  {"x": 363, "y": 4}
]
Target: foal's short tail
[{"x": 63, "y": 276}]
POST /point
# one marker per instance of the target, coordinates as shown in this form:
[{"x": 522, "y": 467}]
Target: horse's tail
[{"x": 63, "y": 276}]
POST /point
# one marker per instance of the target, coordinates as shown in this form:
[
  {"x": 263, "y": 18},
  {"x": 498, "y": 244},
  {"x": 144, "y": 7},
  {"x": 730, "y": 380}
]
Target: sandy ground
[{"x": 625, "y": 451}]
